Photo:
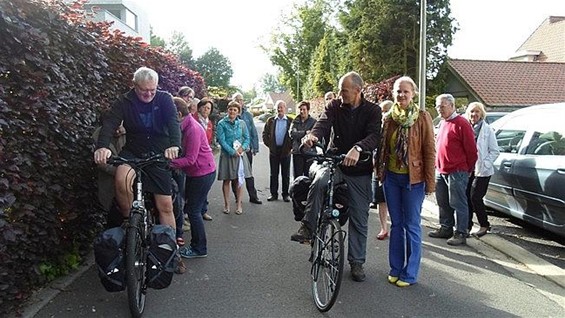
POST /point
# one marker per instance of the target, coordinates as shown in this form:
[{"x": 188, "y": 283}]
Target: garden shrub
[{"x": 57, "y": 72}]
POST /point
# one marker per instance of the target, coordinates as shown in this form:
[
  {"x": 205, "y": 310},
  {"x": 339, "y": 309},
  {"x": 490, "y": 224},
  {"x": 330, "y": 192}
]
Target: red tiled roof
[{"x": 512, "y": 83}]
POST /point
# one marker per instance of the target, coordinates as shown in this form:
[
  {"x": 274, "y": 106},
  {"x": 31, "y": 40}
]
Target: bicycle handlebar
[
  {"x": 137, "y": 162},
  {"x": 324, "y": 156}
]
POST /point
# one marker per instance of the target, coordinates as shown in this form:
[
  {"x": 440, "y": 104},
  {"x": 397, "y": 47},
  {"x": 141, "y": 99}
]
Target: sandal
[
  {"x": 382, "y": 235},
  {"x": 226, "y": 211},
  {"x": 238, "y": 212},
  {"x": 180, "y": 241}
]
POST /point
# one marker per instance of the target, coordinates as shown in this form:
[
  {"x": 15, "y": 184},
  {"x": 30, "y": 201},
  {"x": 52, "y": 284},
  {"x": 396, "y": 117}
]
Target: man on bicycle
[
  {"x": 150, "y": 119},
  {"x": 356, "y": 126}
]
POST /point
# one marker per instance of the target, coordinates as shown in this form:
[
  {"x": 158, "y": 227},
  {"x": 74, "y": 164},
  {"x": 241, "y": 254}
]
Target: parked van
[{"x": 529, "y": 179}]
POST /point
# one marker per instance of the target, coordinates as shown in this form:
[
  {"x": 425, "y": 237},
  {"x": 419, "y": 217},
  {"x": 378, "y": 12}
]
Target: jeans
[
  {"x": 451, "y": 196},
  {"x": 197, "y": 189},
  {"x": 360, "y": 197},
  {"x": 404, "y": 202},
  {"x": 178, "y": 205}
]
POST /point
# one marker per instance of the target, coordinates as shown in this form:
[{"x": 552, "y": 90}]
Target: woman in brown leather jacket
[{"x": 406, "y": 168}]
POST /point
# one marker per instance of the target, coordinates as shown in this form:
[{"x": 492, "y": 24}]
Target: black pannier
[
  {"x": 299, "y": 193},
  {"x": 162, "y": 257},
  {"x": 110, "y": 259},
  {"x": 341, "y": 201}
]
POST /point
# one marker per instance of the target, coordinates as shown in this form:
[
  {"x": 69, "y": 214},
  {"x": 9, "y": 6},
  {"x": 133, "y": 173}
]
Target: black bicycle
[
  {"x": 138, "y": 233},
  {"x": 328, "y": 239}
]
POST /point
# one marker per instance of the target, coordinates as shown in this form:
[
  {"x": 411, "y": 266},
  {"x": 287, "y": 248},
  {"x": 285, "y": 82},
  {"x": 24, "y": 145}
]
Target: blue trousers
[
  {"x": 404, "y": 202},
  {"x": 197, "y": 189},
  {"x": 451, "y": 196}
]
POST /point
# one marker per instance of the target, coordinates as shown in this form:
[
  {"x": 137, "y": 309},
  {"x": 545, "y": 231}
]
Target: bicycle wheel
[
  {"x": 135, "y": 265},
  {"x": 327, "y": 267}
]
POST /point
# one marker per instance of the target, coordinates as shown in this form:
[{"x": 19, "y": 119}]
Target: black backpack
[
  {"x": 110, "y": 259},
  {"x": 299, "y": 194},
  {"x": 162, "y": 257},
  {"x": 341, "y": 201}
]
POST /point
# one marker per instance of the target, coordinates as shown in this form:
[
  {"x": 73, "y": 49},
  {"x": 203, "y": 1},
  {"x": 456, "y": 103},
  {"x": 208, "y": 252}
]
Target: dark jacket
[
  {"x": 298, "y": 129},
  {"x": 360, "y": 126},
  {"x": 165, "y": 131},
  {"x": 269, "y": 137}
]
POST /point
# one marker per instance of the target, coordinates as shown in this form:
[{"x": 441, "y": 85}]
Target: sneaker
[
  {"x": 207, "y": 217},
  {"x": 357, "y": 272},
  {"x": 303, "y": 234},
  {"x": 186, "y": 225},
  {"x": 457, "y": 239},
  {"x": 442, "y": 232},
  {"x": 181, "y": 268},
  {"x": 188, "y": 252}
]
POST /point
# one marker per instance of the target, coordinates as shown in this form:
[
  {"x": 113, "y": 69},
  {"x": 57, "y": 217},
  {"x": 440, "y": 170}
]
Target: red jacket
[
  {"x": 455, "y": 146},
  {"x": 209, "y": 129}
]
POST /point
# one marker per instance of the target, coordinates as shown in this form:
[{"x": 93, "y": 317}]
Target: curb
[{"x": 536, "y": 264}]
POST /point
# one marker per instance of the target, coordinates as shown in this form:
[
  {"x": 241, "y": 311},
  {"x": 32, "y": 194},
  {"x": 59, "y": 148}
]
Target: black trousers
[
  {"x": 249, "y": 182},
  {"x": 279, "y": 163},
  {"x": 476, "y": 190},
  {"x": 300, "y": 165}
]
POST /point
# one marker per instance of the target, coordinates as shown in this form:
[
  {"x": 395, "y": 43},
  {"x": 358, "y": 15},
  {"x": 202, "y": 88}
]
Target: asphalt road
[{"x": 254, "y": 270}]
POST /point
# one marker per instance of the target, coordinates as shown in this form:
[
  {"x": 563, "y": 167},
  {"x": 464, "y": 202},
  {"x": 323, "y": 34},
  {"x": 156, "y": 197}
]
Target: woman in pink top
[{"x": 200, "y": 168}]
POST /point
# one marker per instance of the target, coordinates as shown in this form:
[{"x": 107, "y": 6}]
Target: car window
[{"x": 509, "y": 140}]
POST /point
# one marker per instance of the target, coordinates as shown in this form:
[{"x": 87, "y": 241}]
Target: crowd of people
[{"x": 408, "y": 163}]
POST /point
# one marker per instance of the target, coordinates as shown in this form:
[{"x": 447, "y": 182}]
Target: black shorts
[{"x": 157, "y": 178}]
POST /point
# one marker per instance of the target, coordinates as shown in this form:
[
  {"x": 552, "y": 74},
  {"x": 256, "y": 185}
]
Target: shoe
[
  {"x": 392, "y": 279},
  {"x": 373, "y": 205},
  {"x": 239, "y": 212},
  {"x": 180, "y": 241},
  {"x": 286, "y": 198},
  {"x": 382, "y": 235},
  {"x": 442, "y": 232},
  {"x": 272, "y": 198},
  {"x": 186, "y": 225},
  {"x": 180, "y": 268},
  {"x": 482, "y": 231},
  {"x": 303, "y": 235},
  {"x": 401, "y": 283},
  {"x": 457, "y": 239},
  {"x": 226, "y": 211},
  {"x": 357, "y": 272},
  {"x": 206, "y": 217},
  {"x": 188, "y": 252},
  {"x": 256, "y": 201}
]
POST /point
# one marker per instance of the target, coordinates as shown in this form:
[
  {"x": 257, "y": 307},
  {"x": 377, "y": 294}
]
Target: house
[
  {"x": 126, "y": 15},
  {"x": 534, "y": 75},
  {"x": 273, "y": 97}
]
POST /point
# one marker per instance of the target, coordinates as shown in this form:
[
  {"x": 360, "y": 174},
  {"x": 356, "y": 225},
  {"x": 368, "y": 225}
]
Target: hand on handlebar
[
  {"x": 101, "y": 155},
  {"x": 309, "y": 140},
  {"x": 351, "y": 158},
  {"x": 172, "y": 153}
]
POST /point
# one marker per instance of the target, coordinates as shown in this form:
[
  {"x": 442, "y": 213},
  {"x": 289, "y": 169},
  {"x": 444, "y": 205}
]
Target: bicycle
[
  {"x": 328, "y": 239},
  {"x": 138, "y": 233}
]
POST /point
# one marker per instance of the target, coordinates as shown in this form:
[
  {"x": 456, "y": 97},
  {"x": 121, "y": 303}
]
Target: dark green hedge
[{"x": 57, "y": 72}]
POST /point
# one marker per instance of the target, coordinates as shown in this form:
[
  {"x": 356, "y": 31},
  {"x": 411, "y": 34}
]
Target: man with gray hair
[
  {"x": 150, "y": 119},
  {"x": 456, "y": 154},
  {"x": 356, "y": 123}
]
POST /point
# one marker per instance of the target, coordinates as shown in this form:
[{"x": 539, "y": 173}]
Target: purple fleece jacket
[{"x": 198, "y": 159}]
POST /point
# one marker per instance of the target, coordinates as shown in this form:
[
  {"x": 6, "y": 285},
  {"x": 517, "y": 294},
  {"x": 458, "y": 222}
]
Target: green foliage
[
  {"x": 179, "y": 46},
  {"x": 322, "y": 75},
  {"x": 156, "y": 40},
  {"x": 215, "y": 68},
  {"x": 270, "y": 83},
  {"x": 57, "y": 72}
]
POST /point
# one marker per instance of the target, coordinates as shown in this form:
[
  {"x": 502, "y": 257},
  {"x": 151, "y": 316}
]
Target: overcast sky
[{"x": 489, "y": 29}]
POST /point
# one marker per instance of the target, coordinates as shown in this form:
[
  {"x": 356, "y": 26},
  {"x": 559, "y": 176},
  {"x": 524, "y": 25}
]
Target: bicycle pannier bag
[
  {"x": 162, "y": 257},
  {"x": 109, "y": 258},
  {"x": 299, "y": 193}
]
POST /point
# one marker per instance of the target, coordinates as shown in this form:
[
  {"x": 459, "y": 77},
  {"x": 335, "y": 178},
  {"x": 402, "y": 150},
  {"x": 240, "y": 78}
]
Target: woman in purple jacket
[{"x": 200, "y": 168}]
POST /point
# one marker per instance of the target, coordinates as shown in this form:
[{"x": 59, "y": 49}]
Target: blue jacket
[
  {"x": 253, "y": 137},
  {"x": 227, "y": 132}
]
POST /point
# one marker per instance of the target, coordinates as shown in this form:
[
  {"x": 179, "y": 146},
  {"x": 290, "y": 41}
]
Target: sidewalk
[{"x": 539, "y": 266}]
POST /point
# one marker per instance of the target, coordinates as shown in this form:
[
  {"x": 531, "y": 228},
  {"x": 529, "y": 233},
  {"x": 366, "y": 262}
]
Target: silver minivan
[{"x": 529, "y": 179}]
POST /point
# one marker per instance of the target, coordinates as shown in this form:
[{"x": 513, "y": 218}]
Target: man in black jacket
[
  {"x": 356, "y": 125},
  {"x": 150, "y": 119}
]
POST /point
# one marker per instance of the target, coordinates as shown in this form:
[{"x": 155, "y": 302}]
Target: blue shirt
[{"x": 280, "y": 130}]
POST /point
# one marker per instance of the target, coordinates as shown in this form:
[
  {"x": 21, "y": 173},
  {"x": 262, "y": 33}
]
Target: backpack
[
  {"x": 110, "y": 259},
  {"x": 162, "y": 257},
  {"x": 299, "y": 194}
]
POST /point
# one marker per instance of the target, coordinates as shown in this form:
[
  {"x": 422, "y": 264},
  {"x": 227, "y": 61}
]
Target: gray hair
[
  {"x": 185, "y": 91},
  {"x": 447, "y": 97},
  {"x": 477, "y": 105},
  {"x": 356, "y": 79},
  {"x": 144, "y": 74},
  {"x": 404, "y": 79}
]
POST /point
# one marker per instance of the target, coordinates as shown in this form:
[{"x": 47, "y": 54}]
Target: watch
[{"x": 358, "y": 148}]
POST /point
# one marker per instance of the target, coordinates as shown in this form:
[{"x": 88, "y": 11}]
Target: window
[
  {"x": 131, "y": 19},
  {"x": 509, "y": 140}
]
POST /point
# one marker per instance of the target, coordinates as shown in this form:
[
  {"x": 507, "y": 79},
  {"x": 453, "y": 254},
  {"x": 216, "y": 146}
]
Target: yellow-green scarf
[{"x": 405, "y": 119}]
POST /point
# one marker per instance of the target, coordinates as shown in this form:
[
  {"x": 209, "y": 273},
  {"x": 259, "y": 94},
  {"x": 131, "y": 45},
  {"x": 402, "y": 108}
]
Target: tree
[
  {"x": 270, "y": 83},
  {"x": 322, "y": 75},
  {"x": 179, "y": 46},
  {"x": 215, "y": 68},
  {"x": 156, "y": 40}
]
